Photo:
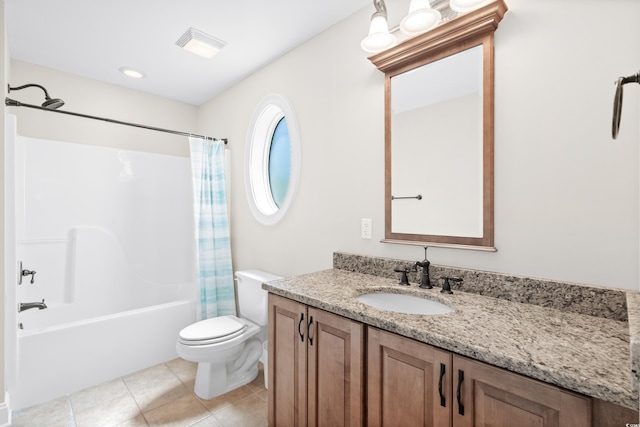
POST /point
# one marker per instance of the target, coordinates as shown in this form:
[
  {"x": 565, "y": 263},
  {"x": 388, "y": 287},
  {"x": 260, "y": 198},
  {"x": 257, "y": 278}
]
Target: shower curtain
[{"x": 213, "y": 260}]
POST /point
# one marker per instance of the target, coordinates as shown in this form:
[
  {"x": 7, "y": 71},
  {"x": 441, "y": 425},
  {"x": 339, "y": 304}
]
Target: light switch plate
[{"x": 365, "y": 228}]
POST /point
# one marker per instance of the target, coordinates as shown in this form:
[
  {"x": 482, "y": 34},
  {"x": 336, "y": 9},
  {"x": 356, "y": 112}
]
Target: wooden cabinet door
[
  {"x": 335, "y": 370},
  {"x": 408, "y": 382},
  {"x": 287, "y": 362},
  {"x": 491, "y": 396}
]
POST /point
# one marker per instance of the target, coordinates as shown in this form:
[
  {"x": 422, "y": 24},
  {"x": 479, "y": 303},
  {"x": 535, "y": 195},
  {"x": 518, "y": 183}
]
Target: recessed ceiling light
[
  {"x": 199, "y": 43},
  {"x": 132, "y": 72}
]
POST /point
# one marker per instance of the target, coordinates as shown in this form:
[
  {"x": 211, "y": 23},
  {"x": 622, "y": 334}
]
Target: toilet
[{"x": 227, "y": 348}]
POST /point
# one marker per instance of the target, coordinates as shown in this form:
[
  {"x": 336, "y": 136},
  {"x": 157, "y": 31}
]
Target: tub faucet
[{"x": 28, "y": 305}]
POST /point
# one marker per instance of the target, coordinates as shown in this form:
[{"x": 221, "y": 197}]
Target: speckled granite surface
[
  {"x": 575, "y": 298},
  {"x": 633, "y": 304},
  {"x": 587, "y": 354}
]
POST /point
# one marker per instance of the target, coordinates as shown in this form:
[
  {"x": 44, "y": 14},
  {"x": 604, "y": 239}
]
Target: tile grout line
[
  {"x": 71, "y": 412},
  {"x": 134, "y": 400}
]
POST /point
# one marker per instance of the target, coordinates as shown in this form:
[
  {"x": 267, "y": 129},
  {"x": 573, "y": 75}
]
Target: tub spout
[{"x": 28, "y": 305}]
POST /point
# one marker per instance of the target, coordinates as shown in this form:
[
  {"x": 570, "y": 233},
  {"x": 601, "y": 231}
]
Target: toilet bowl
[{"x": 227, "y": 348}]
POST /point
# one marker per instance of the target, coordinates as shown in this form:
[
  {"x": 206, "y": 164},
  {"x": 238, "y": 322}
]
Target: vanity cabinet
[
  {"x": 317, "y": 375},
  {"x": 408, "y": 382},
  {"x": 414, "y": 384},
  {"x": 491, "y": 396},
  {"x": 315, "y": 366}
]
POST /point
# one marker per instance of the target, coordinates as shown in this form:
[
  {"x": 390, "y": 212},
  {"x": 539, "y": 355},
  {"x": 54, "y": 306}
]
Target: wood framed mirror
[{"x": 439, "y": 133}]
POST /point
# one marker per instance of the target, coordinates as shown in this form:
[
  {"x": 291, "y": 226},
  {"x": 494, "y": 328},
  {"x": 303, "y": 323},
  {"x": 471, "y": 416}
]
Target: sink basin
[{"x": 402, "y": 303}]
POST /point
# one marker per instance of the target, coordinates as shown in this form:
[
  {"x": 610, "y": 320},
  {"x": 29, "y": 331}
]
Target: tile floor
[{"x": 161, "y": 395}]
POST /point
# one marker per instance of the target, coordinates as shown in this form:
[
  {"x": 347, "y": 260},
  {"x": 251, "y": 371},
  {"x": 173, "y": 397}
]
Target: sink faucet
[
  {"x": 425, "y": 281},
  {"x": 28, "y": 305}
]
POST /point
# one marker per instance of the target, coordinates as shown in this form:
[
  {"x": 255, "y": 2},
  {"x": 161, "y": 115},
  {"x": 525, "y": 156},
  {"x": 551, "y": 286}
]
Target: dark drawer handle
[
  {"x": 442, "y": 399},
  {"x": 299, "y": 325},
  {"x": 460, "y": 380},
  {"x": 309, "y": 330}
]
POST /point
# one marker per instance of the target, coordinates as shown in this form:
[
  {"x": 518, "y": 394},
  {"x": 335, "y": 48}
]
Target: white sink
[{"x": 402, "y": 303}]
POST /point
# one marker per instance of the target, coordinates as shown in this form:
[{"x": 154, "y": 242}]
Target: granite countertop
[
  {"x": 633, "y": 310},
  {"x": 586, "y": 354}
]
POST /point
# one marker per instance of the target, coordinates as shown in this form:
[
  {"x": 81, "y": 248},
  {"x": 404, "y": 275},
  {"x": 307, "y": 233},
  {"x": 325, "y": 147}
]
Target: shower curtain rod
[{"x": 13, "y": 103}]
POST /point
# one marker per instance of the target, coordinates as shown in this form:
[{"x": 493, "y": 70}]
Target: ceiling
[{"x": 94, "y": 38}]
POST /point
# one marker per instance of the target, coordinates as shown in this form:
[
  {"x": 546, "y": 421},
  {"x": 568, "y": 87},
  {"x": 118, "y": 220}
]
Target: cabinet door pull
[
  {"x": 442, "y": 399},
  {"x": 460, "y": 380},
  {"x": 309, "y": 326},
  {"x": 300, "y": 324}
]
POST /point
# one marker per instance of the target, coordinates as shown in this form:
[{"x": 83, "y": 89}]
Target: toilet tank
[{"x": 252, "y": 299}]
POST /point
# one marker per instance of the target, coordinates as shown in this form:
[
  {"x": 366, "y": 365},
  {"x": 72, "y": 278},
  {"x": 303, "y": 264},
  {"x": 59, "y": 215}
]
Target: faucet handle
[
  {"x": 24, "y": 272},
  {"x": 404, "y": 280},
  {"x": 446, "y": 286}
]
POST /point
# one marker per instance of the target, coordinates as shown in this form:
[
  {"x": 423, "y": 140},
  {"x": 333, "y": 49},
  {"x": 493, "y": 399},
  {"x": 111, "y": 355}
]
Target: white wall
[
  {"x": 566, "y": 195},
  {"x": 86, "y": 96}
]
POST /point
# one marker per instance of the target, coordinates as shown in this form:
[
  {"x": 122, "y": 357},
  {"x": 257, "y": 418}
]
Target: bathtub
[
  {"x": 105, "y": 317},
  {"x": 110, "y": 234},
  {"x": 86, "y": 353}
]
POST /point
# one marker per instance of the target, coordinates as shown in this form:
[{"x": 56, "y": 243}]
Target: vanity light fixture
[
  {"x": 466, "y": 5},
  {"x": 132, "y": 72},
  {"x": 421, "y": 17},
  {"x": 379, "y": 37},
  {"x": 199, "y": 43}
]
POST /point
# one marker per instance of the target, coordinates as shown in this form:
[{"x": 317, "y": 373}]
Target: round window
[{"x": 272, "y": 159}]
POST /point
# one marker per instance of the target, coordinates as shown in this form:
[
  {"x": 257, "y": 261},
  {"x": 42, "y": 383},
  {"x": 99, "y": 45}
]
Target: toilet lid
[{"x": 214, "y": 328}]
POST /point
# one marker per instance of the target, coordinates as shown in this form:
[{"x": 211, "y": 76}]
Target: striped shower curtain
[{"x": 213, "y": 260}]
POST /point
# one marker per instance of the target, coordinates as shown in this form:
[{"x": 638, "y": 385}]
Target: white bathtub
[
  {"x": 81, "y": 354},
  {"x": 110, "y": 234}
]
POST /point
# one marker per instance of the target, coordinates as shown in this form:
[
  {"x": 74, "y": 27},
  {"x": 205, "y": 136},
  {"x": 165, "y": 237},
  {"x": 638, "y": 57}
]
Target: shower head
[
  {"x": 53, "y": 104},
  {"x": 49, "y": 103}
]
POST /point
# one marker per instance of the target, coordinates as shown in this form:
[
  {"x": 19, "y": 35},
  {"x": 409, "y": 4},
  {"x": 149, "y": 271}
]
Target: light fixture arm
[{"x": 380, "y": 7}]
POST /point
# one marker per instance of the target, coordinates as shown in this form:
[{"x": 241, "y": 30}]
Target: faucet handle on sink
[
  {"x": 404, "y": 280},
  {"x": 446, "y": 286}
]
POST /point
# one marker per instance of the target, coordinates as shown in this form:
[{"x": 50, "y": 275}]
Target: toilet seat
[{"x": 212, "y": 331}]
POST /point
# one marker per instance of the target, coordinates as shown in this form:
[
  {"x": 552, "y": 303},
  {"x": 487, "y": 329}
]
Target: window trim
[{"x": 271, "y": 109}]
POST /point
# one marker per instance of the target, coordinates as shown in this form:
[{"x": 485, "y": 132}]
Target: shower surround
[{"x": 109, "y": 233}]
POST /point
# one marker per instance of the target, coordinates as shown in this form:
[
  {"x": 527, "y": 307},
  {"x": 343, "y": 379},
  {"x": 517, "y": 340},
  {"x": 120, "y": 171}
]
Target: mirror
[
  {"x": 439, "y": 133},
  {"x": 436, "y": 113}
]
